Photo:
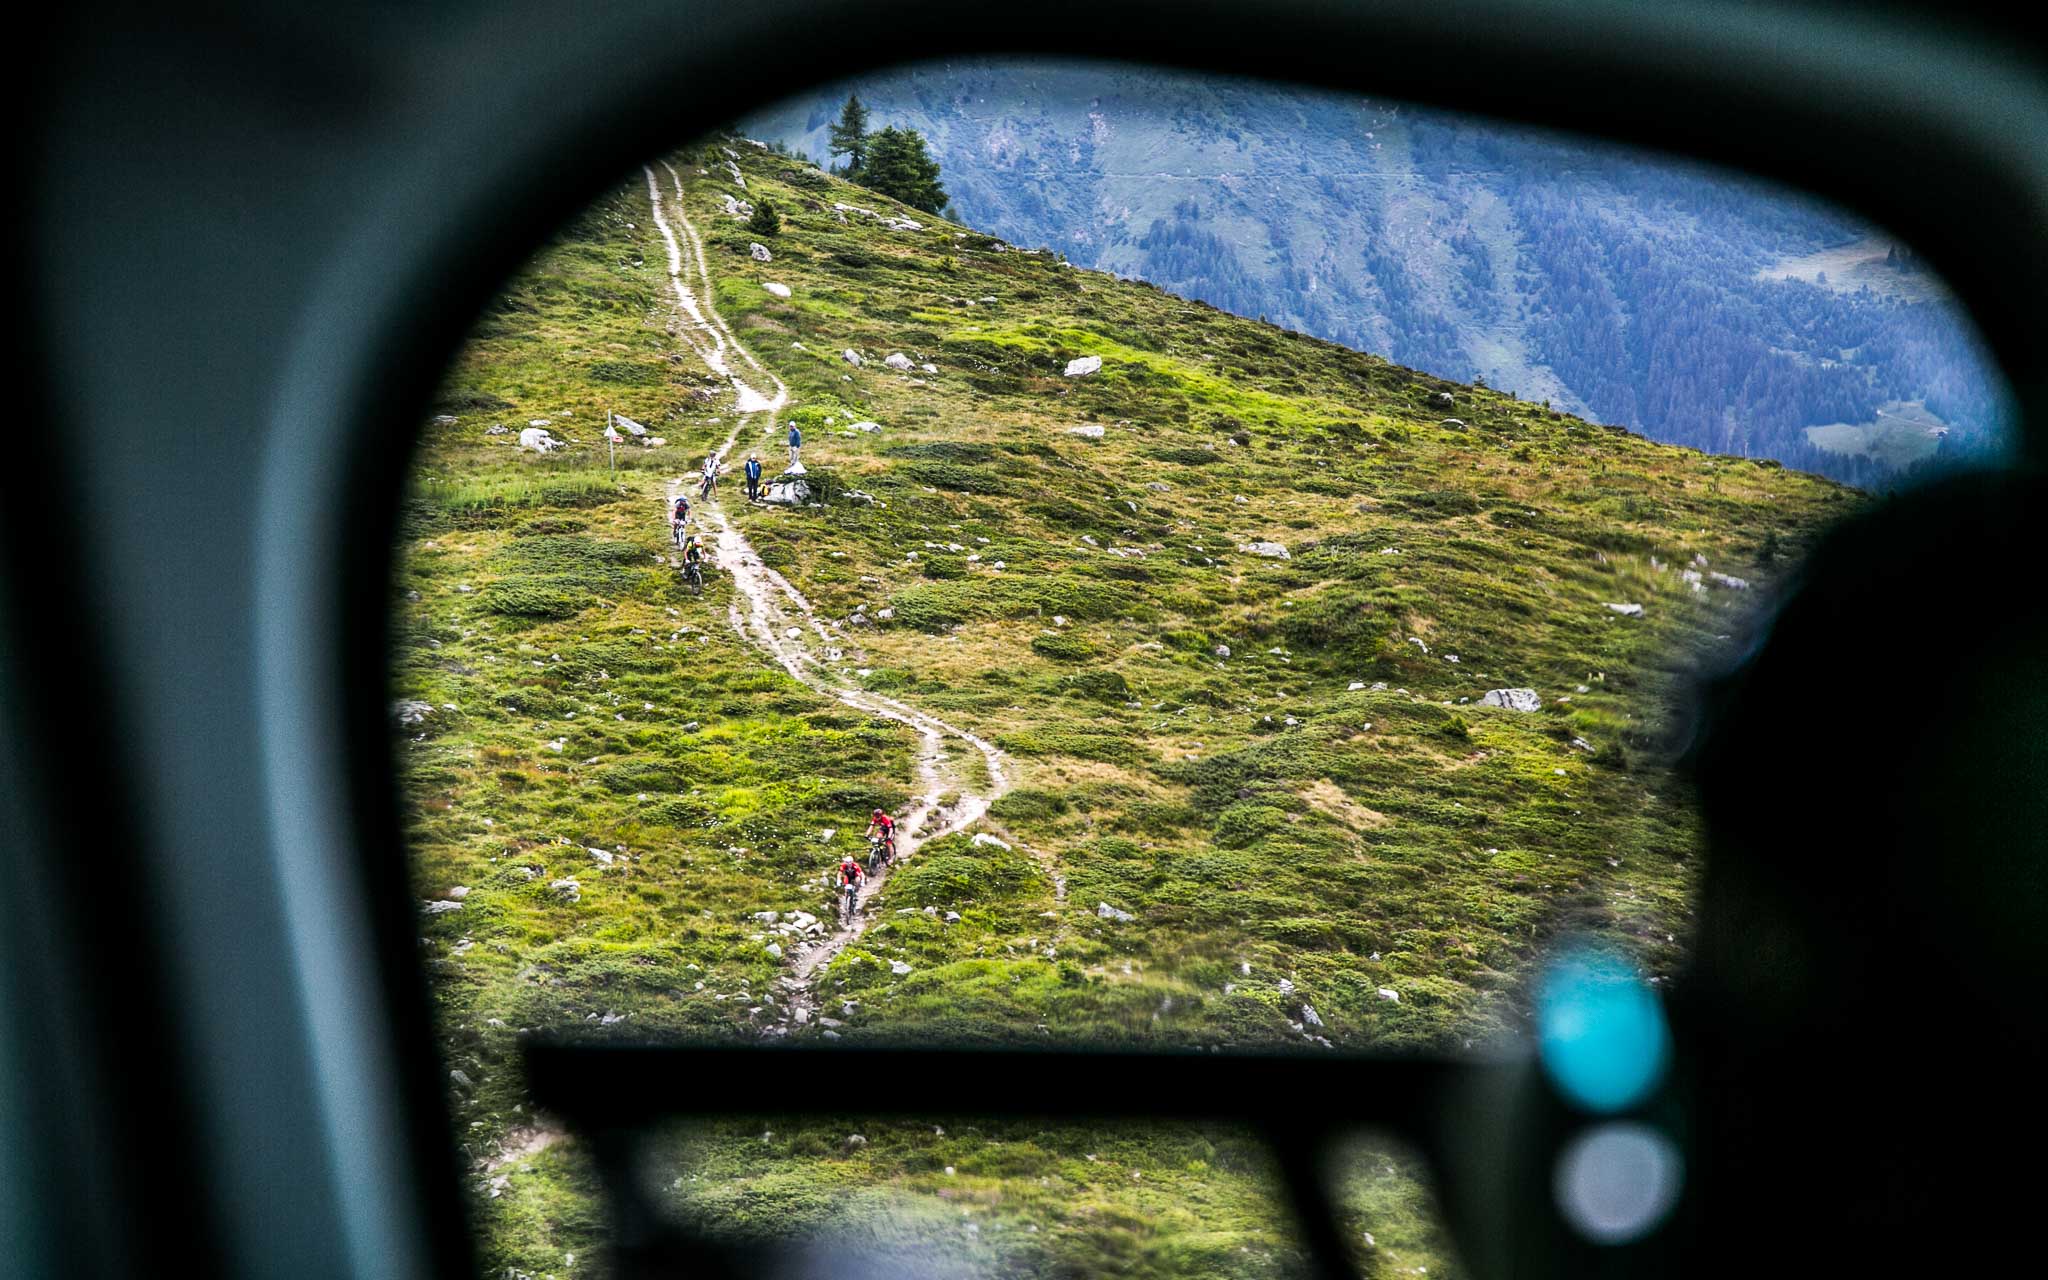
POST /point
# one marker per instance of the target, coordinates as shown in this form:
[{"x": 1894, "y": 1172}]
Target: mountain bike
[
  {"x": 878, "y": 854},
  {"x": 849, "y": 905},
  {"x": 693, "y": 573},
  {"x": 704, "y": 491},
  {"x": 675, "y": 532}
]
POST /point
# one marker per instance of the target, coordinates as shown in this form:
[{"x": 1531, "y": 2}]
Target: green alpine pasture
[{"x": 1257, "y": 799}]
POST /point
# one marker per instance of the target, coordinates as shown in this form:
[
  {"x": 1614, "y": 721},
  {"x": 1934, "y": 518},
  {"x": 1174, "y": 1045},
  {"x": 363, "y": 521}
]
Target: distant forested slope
[{"x": 1613, "y": 284}]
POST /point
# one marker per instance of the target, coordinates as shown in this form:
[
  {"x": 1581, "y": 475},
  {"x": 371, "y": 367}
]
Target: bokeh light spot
[
  {"x": 1617, "y": 1181},
  {"x": 1601, "y": 1031}
]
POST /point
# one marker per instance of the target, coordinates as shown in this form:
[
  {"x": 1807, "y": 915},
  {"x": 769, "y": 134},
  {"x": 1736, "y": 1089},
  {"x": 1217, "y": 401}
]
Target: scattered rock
[
  {"x": 1310, "y": 1016},
  {"x": 412, "y": 713},
  {"x": 1082, "y": 367},
  {"x": 1271, "y": 550},
  {"x": 1086, "y": 433},
  {"x": 441, "y": 907},
  {"x": 1512, "y": 699},
  {"x": 897, "y": 360},
  {"x": 774, "y": 950},
  {"x": 566, "y": 890},
  {"x": 1627, "y": 610},
  {"x": 779, "y": 290},
  {"x": 538, "y": 440},
  {"x": 851, "y": 357},
  {"x": 1107, "y": 912},
  {"x": 1732, "y": 583},
  {"x": 1222, "y": 651},
  {"x": 1390, "y": 995},
  {"x": 899, "y": 968}
]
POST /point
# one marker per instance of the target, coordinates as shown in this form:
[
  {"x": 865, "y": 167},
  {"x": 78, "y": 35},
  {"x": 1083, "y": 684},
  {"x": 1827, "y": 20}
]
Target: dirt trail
[{"x": 774, "y": 616}]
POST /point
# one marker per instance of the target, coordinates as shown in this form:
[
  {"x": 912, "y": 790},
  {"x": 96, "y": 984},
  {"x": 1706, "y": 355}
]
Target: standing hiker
[
  {"x": 796, "y": 441},
  {"x": 753, "y": 477}
]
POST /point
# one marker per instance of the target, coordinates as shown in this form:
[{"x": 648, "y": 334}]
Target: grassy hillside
[{"x": 1257, "y": 800}]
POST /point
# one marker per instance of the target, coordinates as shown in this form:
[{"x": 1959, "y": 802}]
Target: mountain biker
[
  {"x": 693, "y": 560},
  {"x": 851, "y": 873},
  {"x": 882, "y": 827},
  {"x": 679, "y": 514},
  {"x": 753, "y": 477},
  {"x": 796, "y": 442},
  {"x": 710, "y": 476}
]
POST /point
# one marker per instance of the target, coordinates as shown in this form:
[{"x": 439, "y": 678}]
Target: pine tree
[
  {"x": 850, "y": 137},
  {"x": 764, "y": 221},
  {"x": 899, "y": 166}
]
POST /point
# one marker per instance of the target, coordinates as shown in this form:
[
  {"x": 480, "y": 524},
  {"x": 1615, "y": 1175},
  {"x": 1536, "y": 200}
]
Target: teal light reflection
[{"x": 1600, "y": 1031}]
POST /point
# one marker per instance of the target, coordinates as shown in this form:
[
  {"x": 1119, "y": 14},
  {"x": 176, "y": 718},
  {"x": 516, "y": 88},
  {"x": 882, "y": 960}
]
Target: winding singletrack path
[{"x": 773, "y": 615}]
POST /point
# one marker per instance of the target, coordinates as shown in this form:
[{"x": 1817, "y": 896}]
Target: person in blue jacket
[
  {"x": 796, "y": 441},
  {"x": 753, "y": 470}
]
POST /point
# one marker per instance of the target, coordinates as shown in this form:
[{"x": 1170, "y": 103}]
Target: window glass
[{"x": 1250, "y": 545}]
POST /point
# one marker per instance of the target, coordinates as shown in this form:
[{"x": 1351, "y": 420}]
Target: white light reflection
[{"x": 1617, "y": 1181}]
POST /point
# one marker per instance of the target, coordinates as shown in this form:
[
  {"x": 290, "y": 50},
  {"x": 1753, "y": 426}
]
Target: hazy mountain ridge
[{"x": 1612, "y": 284}]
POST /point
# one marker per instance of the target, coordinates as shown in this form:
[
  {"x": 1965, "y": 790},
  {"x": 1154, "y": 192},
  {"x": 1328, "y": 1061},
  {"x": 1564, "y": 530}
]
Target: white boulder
[
  {"x": 897, "y": 360},
  {"x": 779, "y": 290},
  {"x": 1270, "y": 550},
  {"x": 851, "y": 357},
  {"x": 538, "y": 440},
  {"x": 1082, "y": 367},
  {"x": 1512, "y": 699},
  {"x": 1086, "y": 433},
  {"x": 411, "y": 713},
  {"x": 1627, "y": 610},
  {"x": 760, "y": 252}
]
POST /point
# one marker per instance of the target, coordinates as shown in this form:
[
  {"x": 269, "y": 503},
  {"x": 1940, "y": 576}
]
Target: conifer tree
[
  {"x": 900, "y": 167},
  {"x": 764, "y": 220},
  {"x": 850, "y": 137}
]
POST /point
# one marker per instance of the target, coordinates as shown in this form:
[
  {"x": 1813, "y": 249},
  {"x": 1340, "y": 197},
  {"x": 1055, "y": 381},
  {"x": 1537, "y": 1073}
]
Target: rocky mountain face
[{"x": 1622, "y": 286}]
